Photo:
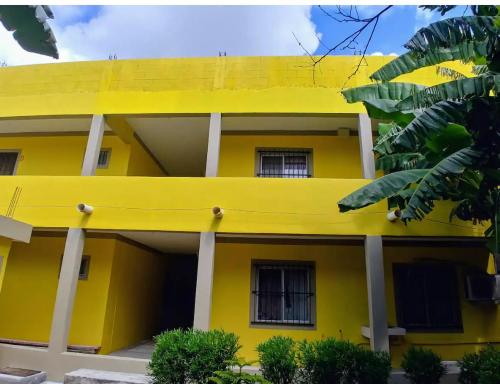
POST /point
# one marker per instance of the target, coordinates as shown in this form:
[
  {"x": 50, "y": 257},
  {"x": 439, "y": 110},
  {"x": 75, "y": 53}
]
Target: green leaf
[
  {"x": 390, "y": 91},
  {"x": 433, "y": 186},
  {"x": 449, "y": 140},
  {"x": 411, "y": 61},
  {"x": 451, "y": 32},
  {"x": 452, "y": 90},
  {"x": 385, "y": 109},
  {"x": 431, "y": 121},
  {"x": 384, "y": 187},
  {"x": 30, "y": 27},
  {"x": 398, "y": 161},
  {"x": 383, "y": 145}
]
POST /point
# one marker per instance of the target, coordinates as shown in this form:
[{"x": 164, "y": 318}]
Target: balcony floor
[{"x": 143, "y": 350}]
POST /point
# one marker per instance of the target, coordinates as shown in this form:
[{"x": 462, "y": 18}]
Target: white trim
[{"x": 15, "y": 230}]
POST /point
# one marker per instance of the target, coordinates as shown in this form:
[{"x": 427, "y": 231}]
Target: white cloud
[
  {"x": 174, "y": 31},
  {"x": 378, "y": 53},
  {"x": 423, "y": 18}
]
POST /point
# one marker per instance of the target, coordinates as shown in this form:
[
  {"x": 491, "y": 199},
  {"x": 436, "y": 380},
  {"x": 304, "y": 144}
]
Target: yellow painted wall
[
  {"x": 141, "y": 163},
  {"x": 251, "y": 205},
  {"x": 134, "y": 297},
  {"x": 332, "y": 156},
  {"x": 480, "y": 321},
  {"x": 63, "y": 155},
  {"x": 193, "y": 85},
  {"x": 341, "y": 299},
  {"x": 30, "y": 284},
  {"x": 5, "y": 245}
]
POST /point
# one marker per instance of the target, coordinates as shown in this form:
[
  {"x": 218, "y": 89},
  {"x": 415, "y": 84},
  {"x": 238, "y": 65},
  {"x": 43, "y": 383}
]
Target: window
[
  {"x": 103, "y": 160},
  {"x": 8, "y": 161},
  {"x": 282, "y": 293},
  {"x": 284, "y": 163},
  {"x": 427, "y": 297},
  {"x": 83, "y": 273}
]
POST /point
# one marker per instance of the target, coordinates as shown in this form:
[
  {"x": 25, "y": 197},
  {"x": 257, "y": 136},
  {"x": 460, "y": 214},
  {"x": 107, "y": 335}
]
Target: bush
[
  {"x": 191, "y": 356},
  {"x": 327, "y": 361},
  {"x": 238, "y": 377},
  {"x": 277, "y": 359},
  {"x": 422, "y": 366},
  {"x": 372, "y": 367},
  {"x": 480, "y": 368}
]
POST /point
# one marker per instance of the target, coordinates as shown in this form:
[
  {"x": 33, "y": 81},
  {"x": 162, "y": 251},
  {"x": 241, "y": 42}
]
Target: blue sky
[{"x": 95, "y": 32}]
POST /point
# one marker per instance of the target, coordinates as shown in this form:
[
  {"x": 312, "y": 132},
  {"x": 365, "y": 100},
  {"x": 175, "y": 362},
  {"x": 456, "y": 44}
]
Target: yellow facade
[{"x": 122, "y": 300}]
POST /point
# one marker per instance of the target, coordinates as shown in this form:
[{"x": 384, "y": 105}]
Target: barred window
[
  {"x": 427, "y": 297},
  {"x": 104, "y": 157},
  {"x": 8, "y": 162},
  {"x": 283, "y": 293},
  {"x": 284, "y": 163}
]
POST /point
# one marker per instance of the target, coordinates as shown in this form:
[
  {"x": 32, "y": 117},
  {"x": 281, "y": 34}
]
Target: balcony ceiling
[{"x": 45, "y": 125}]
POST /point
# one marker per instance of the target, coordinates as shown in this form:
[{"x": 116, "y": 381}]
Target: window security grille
[
  {"x": 103, "y": 159},
  {"x": 8, "y": 162},
  {"x": 284, "y": 163},
  {"x": 282, "y": 294},
  {"x": 427, "y": 297}
]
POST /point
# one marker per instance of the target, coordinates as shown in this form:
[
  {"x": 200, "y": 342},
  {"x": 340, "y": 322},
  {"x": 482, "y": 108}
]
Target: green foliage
[
  {"x": 482, "y": 367},
  {"x": 422, "y": 366},
  {"x": 187, "y": 356},
  {"x": 440, "y": 142},
  {"x": 230, "y": 376},
  {"x": 278, "y": 361},
  {"x": 30, "y": 27},
  {"x": 372, "y": 367}
]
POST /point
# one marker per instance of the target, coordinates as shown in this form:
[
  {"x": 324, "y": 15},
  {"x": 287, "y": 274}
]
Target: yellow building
[{"x": 145, "y": 195}]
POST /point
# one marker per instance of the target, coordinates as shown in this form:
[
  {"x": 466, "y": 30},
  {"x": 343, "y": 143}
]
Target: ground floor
[{"x": 133, "y": 286}]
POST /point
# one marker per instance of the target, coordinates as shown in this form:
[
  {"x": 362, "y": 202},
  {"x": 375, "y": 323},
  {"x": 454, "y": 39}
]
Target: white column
[
  {"x": 377, "y": 310},
  {"x": 366, "y": 146},
  {"x": 204, "y": 281},
  {"x": 93, "y": 146},
  {"x": 214, "y": 133},
  {"x": 65, "y": 297}
]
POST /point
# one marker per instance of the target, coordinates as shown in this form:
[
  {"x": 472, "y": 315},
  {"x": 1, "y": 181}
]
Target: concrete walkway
[{"x": 143, "y": 350}]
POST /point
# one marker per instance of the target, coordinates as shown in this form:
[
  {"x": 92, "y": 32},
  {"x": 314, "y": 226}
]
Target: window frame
[
  {"x": 81, "y": 276},
  {"x": 289, "y": 324},
  {"x": 18, "y": 158},
  {"x": 108, "y": 158},
  {"x": 399, "y": 298},
  {"x": 308, "y": 152}
]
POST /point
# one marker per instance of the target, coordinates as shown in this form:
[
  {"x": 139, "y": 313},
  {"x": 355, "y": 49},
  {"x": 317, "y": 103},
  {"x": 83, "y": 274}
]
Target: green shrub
[
  {"x": 277, "y": 357},
  {"x": 480, "y": 368},
  {"x": 191, "y": 356},
  {"x": 327, "y": 361},
  {"x": 422, "y": 366},
  {"x": 372, "y": 367},
  {"x": 238, "y": 377}
]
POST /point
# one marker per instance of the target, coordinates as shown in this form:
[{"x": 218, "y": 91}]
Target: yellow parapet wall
[
  {"x": 197, "y": 85},
  {"x": 251, "y": 205}
]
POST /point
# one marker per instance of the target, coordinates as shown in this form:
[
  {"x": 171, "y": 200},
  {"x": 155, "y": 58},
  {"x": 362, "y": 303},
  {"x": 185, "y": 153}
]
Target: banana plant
[
  {"x": 439, "y": 142},
  {"x": 30, "y": 27}
]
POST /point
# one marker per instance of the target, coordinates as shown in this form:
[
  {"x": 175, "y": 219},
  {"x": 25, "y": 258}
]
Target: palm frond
[
  {"x": 383, "y": 145},
  {"x": 411, "y": 61},
  {"x": 384, "y": 187},
  {"x": 452, "y": 90},
  {"x": 398, "y": 161},
  {"x": 449, "y": 73},
  {"x": 453, "y": 31},
  {"x": 432, "y": 186},
  {"x": 430, "y": 122},
  {"x": 389, "y": 91}
]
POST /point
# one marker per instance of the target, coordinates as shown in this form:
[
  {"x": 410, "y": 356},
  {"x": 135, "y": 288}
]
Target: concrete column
[
  {"x": 377, "y": 310},
  {"x": 204, "y": 281},
  {"x": 65, "y": 297},
  {"x": 93, "y": 146},
  {"x": 214, "y": 133},
  {"x": 366, "y": 146}
]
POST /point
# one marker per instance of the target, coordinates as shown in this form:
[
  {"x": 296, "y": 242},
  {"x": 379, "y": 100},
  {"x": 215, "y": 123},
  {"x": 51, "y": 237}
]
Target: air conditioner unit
[{"x": 480, "y": 287}]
